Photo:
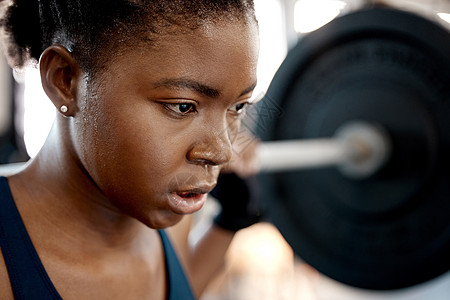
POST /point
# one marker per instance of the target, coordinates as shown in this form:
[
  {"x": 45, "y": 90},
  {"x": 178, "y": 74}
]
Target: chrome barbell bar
[{"x": 358, "y": 149}]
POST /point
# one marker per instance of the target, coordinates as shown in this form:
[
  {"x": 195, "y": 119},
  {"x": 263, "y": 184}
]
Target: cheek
[
  {"x": 131, "y": 158},
  {"x": 128, "y": 146}
]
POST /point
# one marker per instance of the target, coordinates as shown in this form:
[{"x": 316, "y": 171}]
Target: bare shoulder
[{"x": 5, "y": 286}]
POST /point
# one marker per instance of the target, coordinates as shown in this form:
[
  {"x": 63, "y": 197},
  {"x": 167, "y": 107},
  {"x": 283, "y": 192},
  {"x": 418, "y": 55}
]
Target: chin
[{"x": 162, "y": 220}]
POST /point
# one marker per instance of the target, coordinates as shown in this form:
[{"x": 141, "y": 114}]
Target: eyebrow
[
  {"x": 184, "y": 83},
  {"x": 248, "y": 90}
]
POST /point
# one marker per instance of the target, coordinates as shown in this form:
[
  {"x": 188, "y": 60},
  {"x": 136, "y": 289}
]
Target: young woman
[{"x": 149, "y": 95}]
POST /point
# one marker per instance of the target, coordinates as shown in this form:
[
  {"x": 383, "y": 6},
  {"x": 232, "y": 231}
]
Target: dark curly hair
[{"x": 93, "y": 30}]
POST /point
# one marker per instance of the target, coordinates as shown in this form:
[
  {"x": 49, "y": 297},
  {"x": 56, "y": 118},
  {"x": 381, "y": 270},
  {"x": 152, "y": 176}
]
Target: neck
[{"x": 57, "y": 192}]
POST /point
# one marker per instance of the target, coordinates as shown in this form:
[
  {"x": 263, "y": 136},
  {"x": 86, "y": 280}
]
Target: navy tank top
[{"x": 27, "y": 275}]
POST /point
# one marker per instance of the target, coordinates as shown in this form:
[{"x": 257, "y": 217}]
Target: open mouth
[
  {"x": 187, "y": 194},
  {"x": 186, "y": 202}
]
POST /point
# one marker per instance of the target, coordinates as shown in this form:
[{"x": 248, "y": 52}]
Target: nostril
[
  {"x": 205, "y": 162},
  {"x": 207, "y": 159}
]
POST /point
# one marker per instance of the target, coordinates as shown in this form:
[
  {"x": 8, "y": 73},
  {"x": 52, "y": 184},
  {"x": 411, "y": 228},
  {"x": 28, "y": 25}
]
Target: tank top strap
[
  {"x": 28, "y": 277},
  {"x": 178, "y": 286}
]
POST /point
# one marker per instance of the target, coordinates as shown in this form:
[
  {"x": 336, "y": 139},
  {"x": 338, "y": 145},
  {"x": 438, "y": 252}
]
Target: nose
[{"x": 212, "y": 148}]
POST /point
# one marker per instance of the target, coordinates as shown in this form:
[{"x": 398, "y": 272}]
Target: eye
[
  {"x": 239, "y": 108},
  {"x": 180, "y": 108}
]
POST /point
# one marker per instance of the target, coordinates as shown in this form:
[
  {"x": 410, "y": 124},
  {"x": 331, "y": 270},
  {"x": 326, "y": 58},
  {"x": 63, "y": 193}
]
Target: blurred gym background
[{"x": 260, "y": 264}]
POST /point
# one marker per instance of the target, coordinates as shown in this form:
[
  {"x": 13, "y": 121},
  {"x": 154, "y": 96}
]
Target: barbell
[{"x": 356, "y": 133}]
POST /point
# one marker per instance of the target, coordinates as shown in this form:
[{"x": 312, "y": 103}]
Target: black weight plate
[{"x": 390, "y": 68}]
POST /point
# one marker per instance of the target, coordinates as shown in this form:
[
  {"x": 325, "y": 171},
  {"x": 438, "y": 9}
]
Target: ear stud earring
[{"x": 64, "y": 109}]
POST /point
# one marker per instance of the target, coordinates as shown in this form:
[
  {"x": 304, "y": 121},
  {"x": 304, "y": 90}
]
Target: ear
[{"x": 59, "y": 75}]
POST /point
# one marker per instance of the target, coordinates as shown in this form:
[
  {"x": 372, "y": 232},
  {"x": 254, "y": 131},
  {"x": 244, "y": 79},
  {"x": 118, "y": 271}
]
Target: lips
[{"x": 188, "y": 201}]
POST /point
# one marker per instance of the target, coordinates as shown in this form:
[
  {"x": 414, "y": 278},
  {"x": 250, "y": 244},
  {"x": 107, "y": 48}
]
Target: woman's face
[{"x": 155, "y": 129}]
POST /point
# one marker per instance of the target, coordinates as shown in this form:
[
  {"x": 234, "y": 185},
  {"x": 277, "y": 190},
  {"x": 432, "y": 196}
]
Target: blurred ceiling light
[
  {"x": 310, "y": 15},
  {"x": 444, "y": 16}
]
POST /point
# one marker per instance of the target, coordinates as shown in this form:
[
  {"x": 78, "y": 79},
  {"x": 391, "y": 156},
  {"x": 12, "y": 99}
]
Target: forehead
[
  {"x": 223, "y": 39},
  {"x": 209, "y": 37},
  {"x": 214, "y": 50}
]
